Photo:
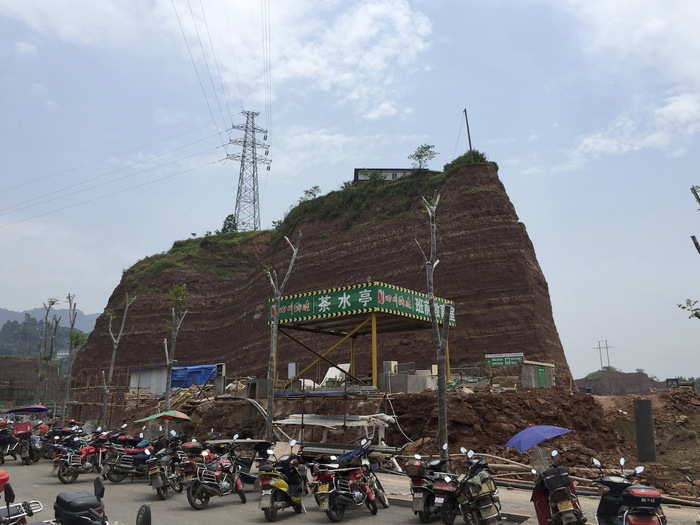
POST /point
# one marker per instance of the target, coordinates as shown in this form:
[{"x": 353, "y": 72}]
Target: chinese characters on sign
[{"x": 351, "y": 300}]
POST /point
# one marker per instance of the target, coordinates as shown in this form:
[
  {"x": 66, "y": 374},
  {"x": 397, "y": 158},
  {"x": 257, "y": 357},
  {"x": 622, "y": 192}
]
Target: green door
[{"x": 541, "y": 377}]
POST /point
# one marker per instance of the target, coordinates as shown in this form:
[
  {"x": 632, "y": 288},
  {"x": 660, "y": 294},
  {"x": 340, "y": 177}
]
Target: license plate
[
  {"x": 152, "y": 472},
  {"x": 187, "y": 478},
  {"x": 565, "y": 505},
  {"x": 439, "y": 501},
  {"x": 265, "y": 502},
  {"x": 267, "y": 492},
  {"x": 418, "y": 503},
  {"x": 323, "y": 488}
]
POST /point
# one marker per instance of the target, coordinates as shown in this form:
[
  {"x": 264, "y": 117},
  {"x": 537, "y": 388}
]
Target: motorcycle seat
[
  {"x": 133, "y": 451},
  {"x": 77, "y": 501}
]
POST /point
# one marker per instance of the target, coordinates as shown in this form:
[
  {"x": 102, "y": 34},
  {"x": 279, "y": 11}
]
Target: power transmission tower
[{"x": 247, "y": 211}]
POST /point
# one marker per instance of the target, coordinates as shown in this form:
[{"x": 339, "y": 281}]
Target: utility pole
[
  {"x": 439, "y": 336},
  {"x": 277, "y": 290},
  {"x": 469, "y": 136},
  {"x": 247, "y": 210},
  {"x": 600, "y": 354}
]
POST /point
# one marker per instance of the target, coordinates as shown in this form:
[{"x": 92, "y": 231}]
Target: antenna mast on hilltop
[{"x": 247, "y": 211}]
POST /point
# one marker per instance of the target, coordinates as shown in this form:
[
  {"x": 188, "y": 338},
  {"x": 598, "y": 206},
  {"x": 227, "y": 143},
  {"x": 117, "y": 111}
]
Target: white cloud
[
  {"x": 648, "y": 37},
  {"x": 385, "y": 109},
  {"x": 353, "y": 50},
  {"x": 666, "y": 128},
  {"x": 23, "y": 49}
]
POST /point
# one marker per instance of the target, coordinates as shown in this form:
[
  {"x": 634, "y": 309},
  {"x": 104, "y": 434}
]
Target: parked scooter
[
  {"x": 282, "y": 484},
  {"x": 8, "y": 443},
  {"x": 29, "y": 446},
  {"x": 12, "y": 513},
  {"x": 625, "y": 503},
  {"x": 219, "y": 476},
  {"x": 164, "y": 473},
  {"x": 69, "y": 508},
  {"x": 478, "y": 496},
  {"x": 423, "y": 475},
  {"x": 554, "y": 497}
]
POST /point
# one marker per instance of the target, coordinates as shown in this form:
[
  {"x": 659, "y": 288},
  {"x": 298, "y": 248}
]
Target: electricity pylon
[{"x": 247, "y": 211}]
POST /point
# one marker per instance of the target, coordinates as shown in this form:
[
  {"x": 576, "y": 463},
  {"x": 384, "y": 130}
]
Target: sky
[{"x": 114, "y": 119}]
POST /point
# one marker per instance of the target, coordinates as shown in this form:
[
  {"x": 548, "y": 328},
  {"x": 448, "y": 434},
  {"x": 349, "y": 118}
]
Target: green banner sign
[
  {"x": 358, "y": 299},
  {"x": 504, "y": 359}
]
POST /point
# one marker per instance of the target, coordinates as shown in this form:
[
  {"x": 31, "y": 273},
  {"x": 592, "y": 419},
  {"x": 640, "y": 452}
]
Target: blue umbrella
[
  {"x": 33, "y": 409},
  {"x": 534, "y": 435}
]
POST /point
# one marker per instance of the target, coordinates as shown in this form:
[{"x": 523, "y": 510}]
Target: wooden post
[
  {"x": 375, "y": 358},
  {"x": 352, "y": 357}
]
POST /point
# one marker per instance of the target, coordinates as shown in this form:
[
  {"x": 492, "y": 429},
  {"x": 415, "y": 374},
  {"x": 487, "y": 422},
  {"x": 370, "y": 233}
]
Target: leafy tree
[
  {"x": 230, "y": 224},
  {"x": 311, "y": 193},
  {"x": 423, "y": 154}
]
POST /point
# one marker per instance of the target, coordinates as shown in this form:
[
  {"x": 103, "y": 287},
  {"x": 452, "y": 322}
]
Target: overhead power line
[
  {"x": 206, "y": 65},
  {"x": 7, "y": 189},
  {"x": 194, "y": 66},
  {"x": 109, "y": 194},
  {"x": 65, "y": 191}
]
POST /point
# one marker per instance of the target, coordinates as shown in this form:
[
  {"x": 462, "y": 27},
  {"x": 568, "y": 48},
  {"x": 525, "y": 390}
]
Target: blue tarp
[{"x": 184, "y": 376}]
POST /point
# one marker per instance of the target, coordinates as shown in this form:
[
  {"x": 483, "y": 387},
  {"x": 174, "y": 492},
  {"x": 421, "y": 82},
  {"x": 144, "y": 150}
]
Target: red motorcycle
[
  {"x": 89, "y": 459},
  {"x": 554, "y": 497}
]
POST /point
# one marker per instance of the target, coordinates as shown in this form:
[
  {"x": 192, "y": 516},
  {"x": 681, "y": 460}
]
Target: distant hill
[
  {"x": 611, "y": 382},
  {"x": 83, "y": 322}
]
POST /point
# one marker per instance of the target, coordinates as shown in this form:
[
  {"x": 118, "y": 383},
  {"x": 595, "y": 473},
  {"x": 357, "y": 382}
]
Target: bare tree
[
  {"x": 107, "y": 382},
  {"x": 48, "y": 358},
  {"x": 43, "y": 348},
  {"x": 72, "y": 340},
  {"x": 277, "y": 291},
  {"x": 177, "y": 315},
  {"x": 439, "y": 337}
]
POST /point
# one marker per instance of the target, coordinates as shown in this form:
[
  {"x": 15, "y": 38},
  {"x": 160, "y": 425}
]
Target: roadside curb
[{"x": 517, "y": 518}]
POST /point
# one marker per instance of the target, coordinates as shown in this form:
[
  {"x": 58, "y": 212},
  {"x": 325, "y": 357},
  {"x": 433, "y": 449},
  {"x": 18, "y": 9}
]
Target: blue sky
[{"x": 591, "y": 108}]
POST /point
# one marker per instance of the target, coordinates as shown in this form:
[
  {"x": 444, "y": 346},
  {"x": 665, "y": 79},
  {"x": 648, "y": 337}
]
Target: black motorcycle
[
  {"x": 423, "y": 475},
  {"x": 625, "y": 503},
  {"x": 164, "y": 474},
  {"x": 8, "y": 444}
]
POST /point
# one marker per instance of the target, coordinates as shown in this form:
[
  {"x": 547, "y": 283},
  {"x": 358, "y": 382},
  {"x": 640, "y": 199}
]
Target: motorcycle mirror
[
  {"x": 160, "y": 428},
  {"x": 141, "y": 435},
  {"x": 363, "y": 442},
  {"x": 98, "y": 429},
  {"x": 417, "y": 456},
  {"x": 194, "y": 440},
  {"x": 447, "y": 479},
  {"x": 40, "y": 422},
  {"x": 56, "y": 437},
  {"x": 99, "y": 488},
  {"x": 173, "y": 433},
  {"x": 270, "y": 452},
  {"x": 9, "y": 494},
  {"x": 596, "y": 463},
  {"x": 555, "y": 453},
  {"x": 533, "y": 471},
  {"x": 622, "y": 462},
  {"x": 144, "y": 515},
  {"x": 76, "y": 439},
  {"x": 205, "y": 453},
  {"x": 143, "y": 427},
  {"x": 471, "y": 454},
  {"x": 292, "y": 442},
  {"x": 235, "y": 436},
  {"x": 333, "y": 458},
  {"x": 444, "y": 446},
  {"x": 639, "y": 469},
  {"x": 463, "y": 450},
  {"x": 123, "y": 426},
  {"x": 147, "y": 452}
]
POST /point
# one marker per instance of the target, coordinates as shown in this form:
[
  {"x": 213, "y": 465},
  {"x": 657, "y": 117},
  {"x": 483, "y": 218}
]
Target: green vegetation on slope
[
  {"x": 214, "y": 254},
  {"x": 374, "y": 199}
]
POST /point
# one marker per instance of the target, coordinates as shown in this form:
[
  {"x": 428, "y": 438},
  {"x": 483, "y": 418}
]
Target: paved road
[{"x": 122, "y": 501}]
